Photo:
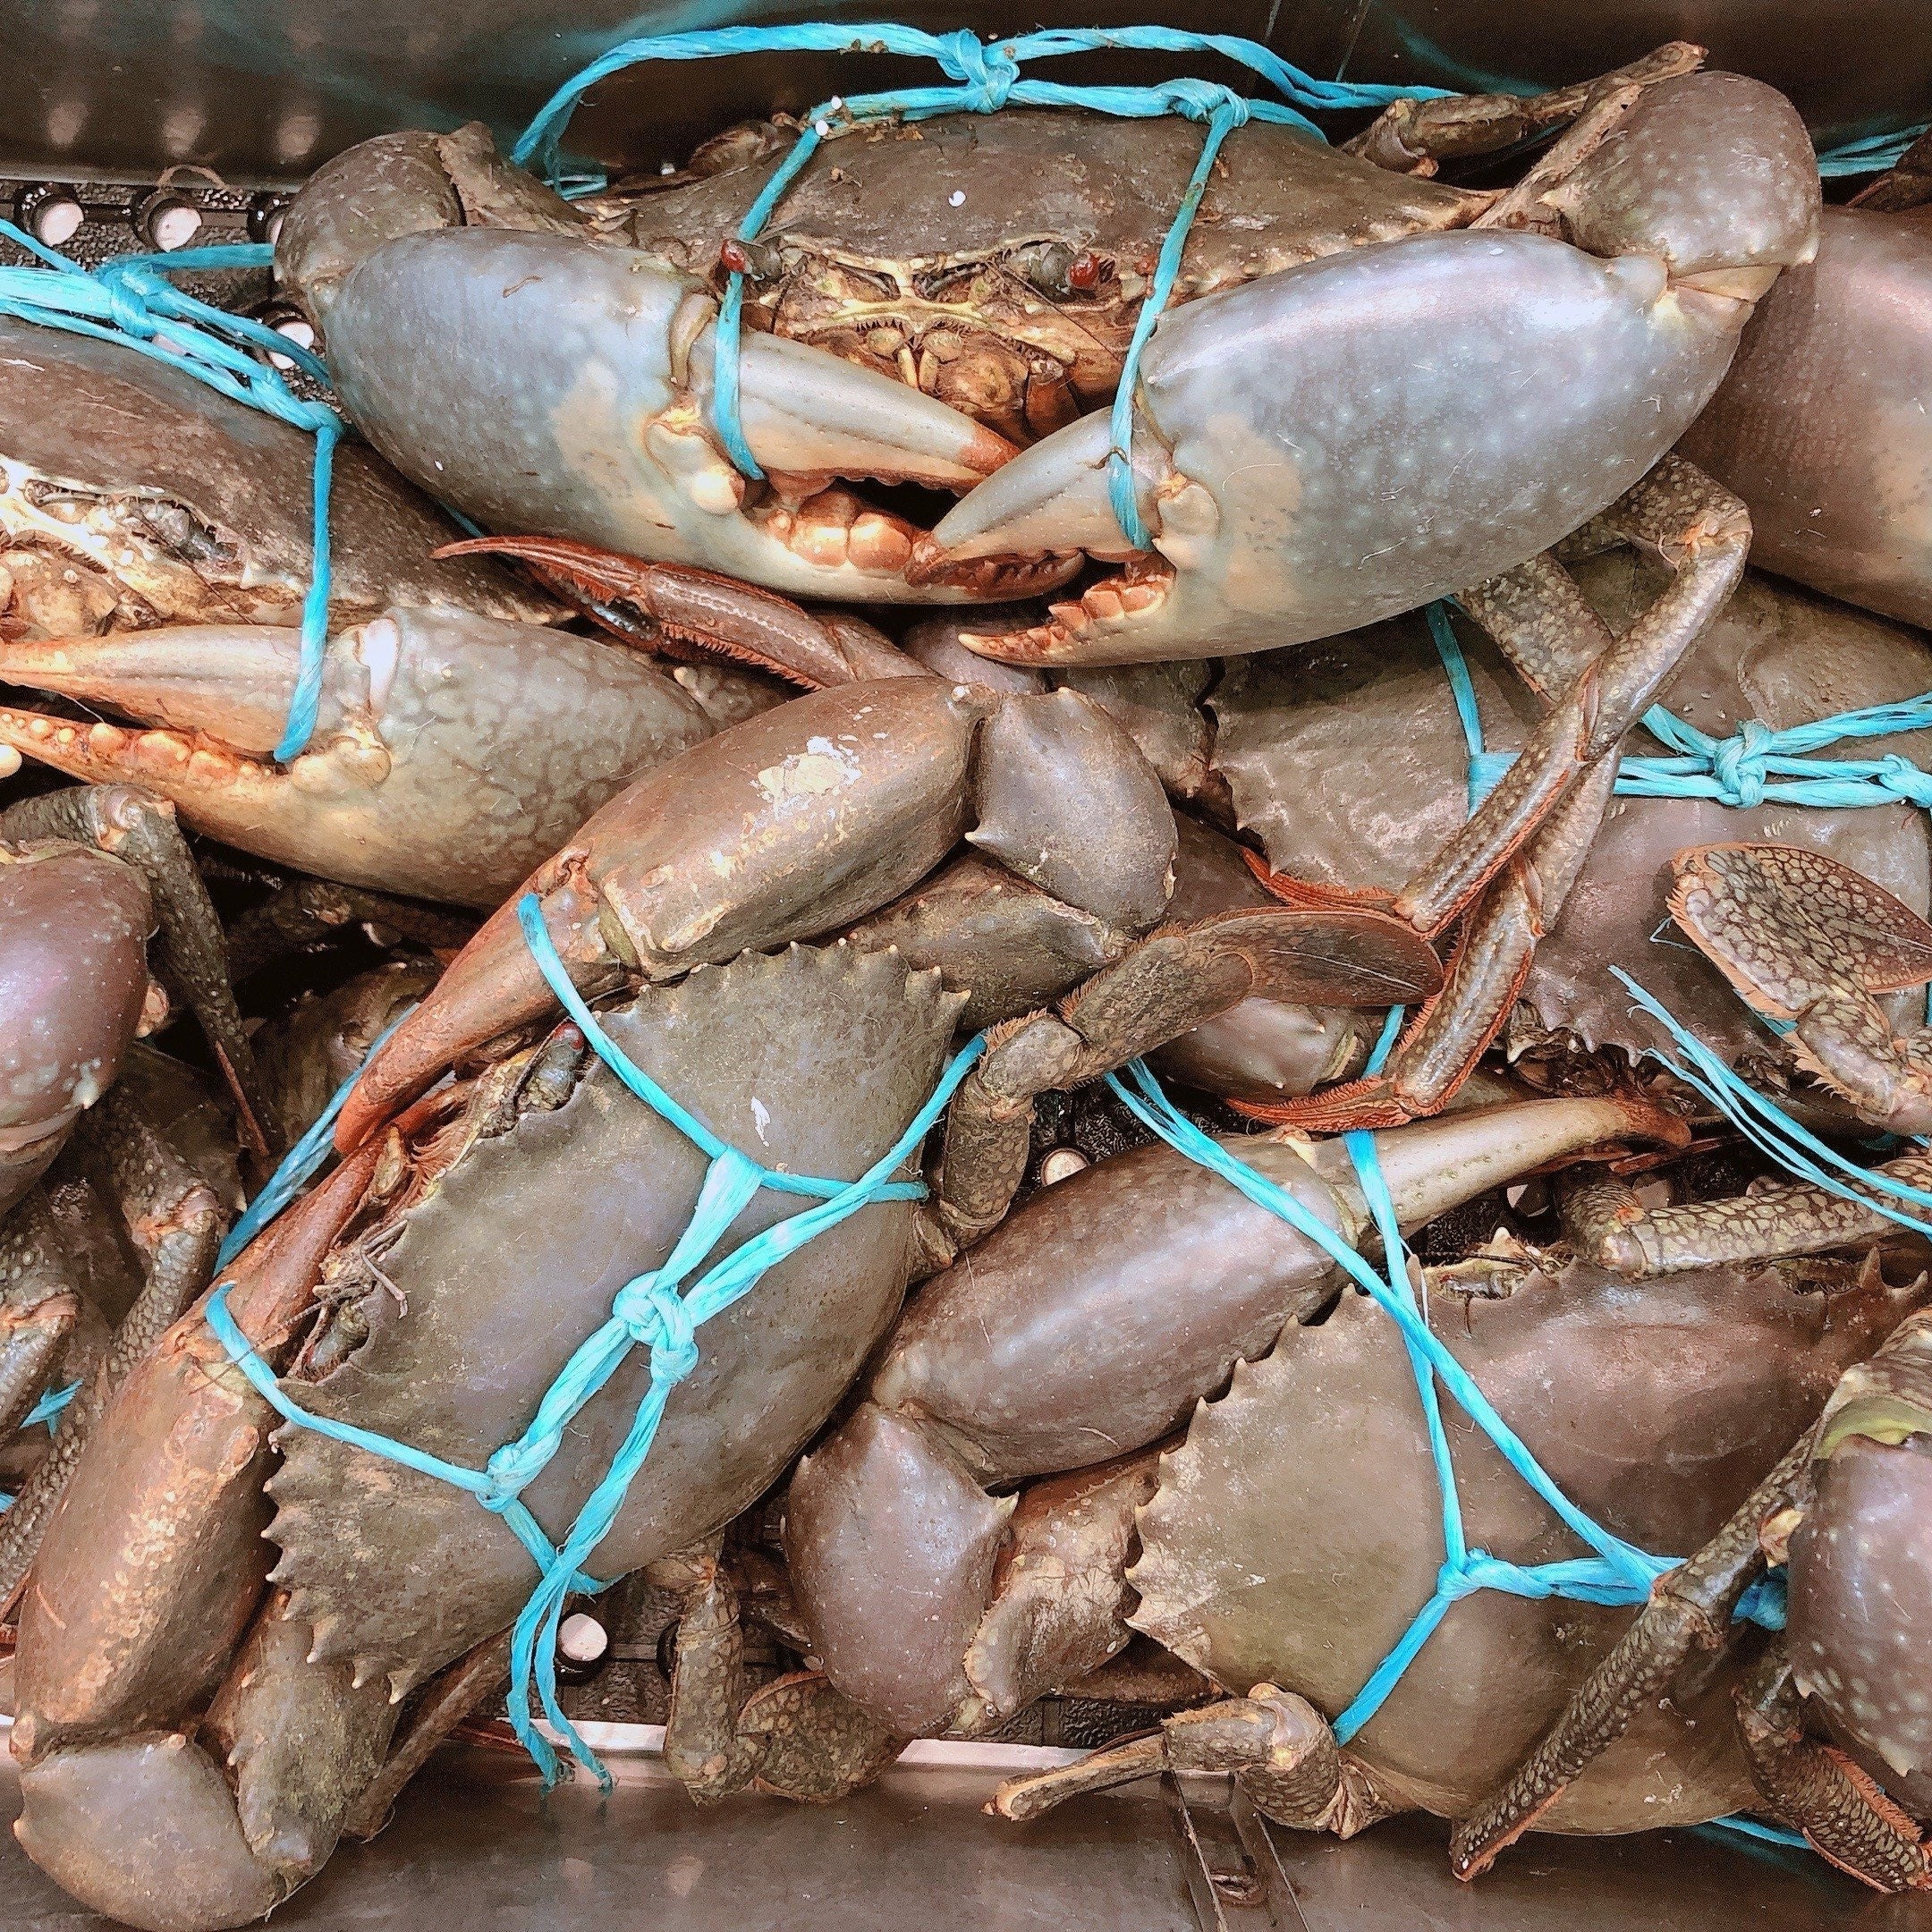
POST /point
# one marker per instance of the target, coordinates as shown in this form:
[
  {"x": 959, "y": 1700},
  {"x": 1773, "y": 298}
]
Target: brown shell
[
  {"x": 1299, "y": 1530},
  {"x": 878, "y": 263},
  {"x": 1346, "y": 759},
  {"x": 810, "y": 1061}
]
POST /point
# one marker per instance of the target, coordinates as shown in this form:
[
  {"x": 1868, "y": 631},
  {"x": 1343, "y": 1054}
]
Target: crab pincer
[{"x": 1453, "y": 402}]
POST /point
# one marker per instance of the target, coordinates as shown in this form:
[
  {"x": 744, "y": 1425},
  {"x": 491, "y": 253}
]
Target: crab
[
  {"x": 790, "y": 825},
  {"x": 999, "y": 264},
  {"x": 1618, "y": 1722},
  {"x": 1501, "y": 872},
  {"x": 1818, "y": 425},
  {"x": 1374, "y": 712},
  {"x": 578, "y": 400},
  {"x": 75, "y": 916},
  {"x": 158, "y": 555},
  {"x": 546, "y": 410}
]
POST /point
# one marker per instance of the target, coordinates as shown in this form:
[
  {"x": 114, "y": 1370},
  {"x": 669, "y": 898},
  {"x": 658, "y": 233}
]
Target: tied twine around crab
[
  {"x": 1618, "y": 1573},
  {"x": 654, "y": 1311},
  {"x": 986, "y": 76}
]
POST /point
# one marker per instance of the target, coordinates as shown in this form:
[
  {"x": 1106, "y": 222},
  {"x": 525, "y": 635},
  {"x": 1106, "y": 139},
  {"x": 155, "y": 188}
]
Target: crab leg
[
  {"x": 1703, "y": 532},
  {"x": 39, "y": 1306},
  {"x": 1278, "y": 1746},
  {"x": 192, "y": 955},
  {"x": 1837, "y": 1806},
  {"x": 444, "y": 1706},
  {"x": 691, "y": 612},
  {"x": 302, "y": 915},
  {"x": 1806, "y": 939},
  {"x": 175, "y": 1223},
  {"x": 1411, "y": 137},
  {"x": 1165, "y": 986},
  {"x": 720, "y": 1738},
  {"x": 1441, "y": 1048},
  {"x": 1608, "y": 1224},
  {"x": 1689, "y": 1608}
]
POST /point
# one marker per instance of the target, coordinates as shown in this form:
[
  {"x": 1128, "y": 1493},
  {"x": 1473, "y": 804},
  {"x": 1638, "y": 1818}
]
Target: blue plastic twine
[
  {"x": 653, "y": 1310},
  {"x": 129, "y": 301},
  {"x": 1618, "y": 1573},
  {"x": 1755, "y": 766},
  {"x": 1872, "y": 155},
  {"x": 986, "y": 76}
]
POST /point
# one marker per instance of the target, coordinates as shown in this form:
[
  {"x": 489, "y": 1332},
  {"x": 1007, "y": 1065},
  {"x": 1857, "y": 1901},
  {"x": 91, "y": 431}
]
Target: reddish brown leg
[
  {"x": 1702, "y": 531},
  {"x": 1689, "y": 1608},
  {"x": 453, "y": 1696},
  {"x": 679, "y": 611},
  {"x": 1413, "y": 136},
  {"x": 1442, "y": 1045},
  {"x": 1847, "y": 1819}
]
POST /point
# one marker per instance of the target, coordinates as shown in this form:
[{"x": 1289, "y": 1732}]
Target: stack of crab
[{"x": 1133, "y": 1440}]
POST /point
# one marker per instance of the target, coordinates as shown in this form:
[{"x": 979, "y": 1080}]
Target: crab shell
[
  {"x": 1298, "y": 1529},
  {"x": 131, "y": 495},
  {"x": 874, "y": 257},
  {"x": 1821, "y": 425},
  {"x": 1372, "y": 714},
  {"x": 811, "y": 1061},
  {"x": 74, "y": 981}
]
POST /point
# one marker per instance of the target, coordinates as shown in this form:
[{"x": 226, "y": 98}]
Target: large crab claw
[
  {"x": 453, "y": 752},
  {"x": 1356, "y": 435},
  {"x": 545, "y": 383}
]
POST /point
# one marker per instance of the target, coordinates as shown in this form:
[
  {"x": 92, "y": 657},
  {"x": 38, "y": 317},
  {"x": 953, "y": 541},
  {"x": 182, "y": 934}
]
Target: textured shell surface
[{"x": 811, "y": 1062}]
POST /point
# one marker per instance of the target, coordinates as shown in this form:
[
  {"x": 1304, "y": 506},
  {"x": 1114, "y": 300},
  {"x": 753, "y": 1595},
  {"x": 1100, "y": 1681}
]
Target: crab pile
[{"x": 809, "y": 775}]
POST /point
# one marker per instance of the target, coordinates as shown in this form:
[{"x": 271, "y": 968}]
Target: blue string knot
[
  {"x": 1898, "y": 775},
  {"x": 654, "y": 1315},
  {"x": 1738, "y": 764},
  {"x": 989, "y": 71},
  {"x": 1464, "y": 1577},
  {"x": 510, "y": 1472}
]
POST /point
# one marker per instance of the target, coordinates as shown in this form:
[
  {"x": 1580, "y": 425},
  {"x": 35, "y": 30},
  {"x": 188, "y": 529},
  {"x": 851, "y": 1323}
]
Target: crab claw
[
  {"x": 541, "y": 382},
  {"x": 796, "y": 822},
  {"x": 1356, "y": 435},
  {"x": 685, "y": 612},
  {"x": 1382, "y": 472},
  {"x": 451, "y": 753}
]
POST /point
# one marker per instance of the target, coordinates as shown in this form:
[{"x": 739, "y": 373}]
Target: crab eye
[
  {"x": 1043, "y": 265},
  {"x": 1087, "y": 271},
  {"x": 755, "y": 260}
]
